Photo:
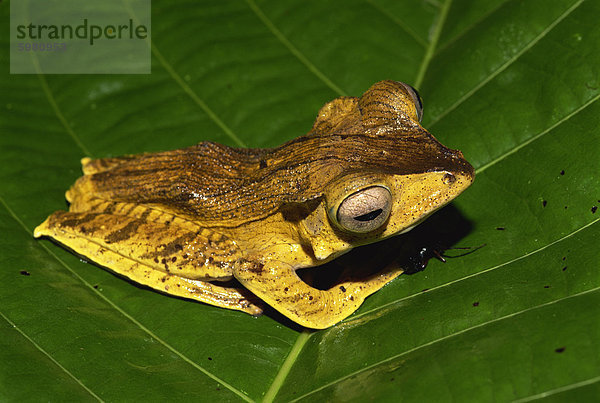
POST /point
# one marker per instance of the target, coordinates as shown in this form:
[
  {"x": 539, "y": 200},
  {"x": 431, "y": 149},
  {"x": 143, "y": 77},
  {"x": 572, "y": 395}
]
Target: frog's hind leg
[{"x": 169, "y": 258}]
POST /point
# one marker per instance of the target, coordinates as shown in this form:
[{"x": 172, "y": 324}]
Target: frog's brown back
[{"x": 219, "y": 185}]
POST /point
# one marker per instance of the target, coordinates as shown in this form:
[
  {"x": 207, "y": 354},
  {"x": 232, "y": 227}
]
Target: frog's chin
[
  {"x": 407, "y": 229},
  {"x": 323, "y": 254}
]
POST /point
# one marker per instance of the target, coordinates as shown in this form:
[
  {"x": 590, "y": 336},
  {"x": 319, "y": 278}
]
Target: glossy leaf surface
[{"x": 513, "y": 84}]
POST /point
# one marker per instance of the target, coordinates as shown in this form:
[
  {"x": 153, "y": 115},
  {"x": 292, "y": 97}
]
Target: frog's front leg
[
  {"x": 278, "y": 285},
  {"x": 178, "y": 258}
]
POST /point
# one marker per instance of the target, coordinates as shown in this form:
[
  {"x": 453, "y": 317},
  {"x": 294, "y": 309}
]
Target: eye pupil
[{"x": 369, "y": 216}]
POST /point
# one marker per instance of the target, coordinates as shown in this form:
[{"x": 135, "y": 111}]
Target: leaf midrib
[
  {"x": 42, "y": 79},
  {"x": 449, "y": 336},
  {"x": 302, "y": 338},
  {"x": 430, "y": 50}
]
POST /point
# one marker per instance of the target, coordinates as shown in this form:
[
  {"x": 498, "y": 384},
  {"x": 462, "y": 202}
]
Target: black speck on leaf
[
  {"x": 564, "y": 268},
  {"x": 546, "y": 286},
  {"x": 544, "y": 202},
  {"x": 425, "y": 290},
  {"x": 562, "y": 172},
  {"x": 96, "y": 286},
  {"x": 500, "y": 228},
  {"x": 566, "y": 207},
  {"x": 560, "y": 349},
  {"x": 476, "y": 303},
  {"x": 594, "y": 208},
  {"x": 25, "y": 273},
  {"x": 209, "y": 358}
]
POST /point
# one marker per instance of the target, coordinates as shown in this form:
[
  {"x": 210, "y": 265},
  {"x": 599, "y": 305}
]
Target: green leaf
[{"x": 513, "y": 84}]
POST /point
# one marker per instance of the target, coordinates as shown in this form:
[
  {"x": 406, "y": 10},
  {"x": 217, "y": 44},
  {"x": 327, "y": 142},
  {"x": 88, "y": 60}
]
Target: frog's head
[{"x": 397, "y": 176}]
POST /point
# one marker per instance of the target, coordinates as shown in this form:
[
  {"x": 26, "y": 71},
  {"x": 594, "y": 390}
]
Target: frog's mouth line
[{"x": 443, "y": 230}]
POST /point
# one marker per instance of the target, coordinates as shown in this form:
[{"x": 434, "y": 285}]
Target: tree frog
[{"x": 187, "y": 221}]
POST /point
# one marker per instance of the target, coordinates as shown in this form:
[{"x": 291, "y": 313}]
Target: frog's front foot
[{"x": 278, "y": 285}]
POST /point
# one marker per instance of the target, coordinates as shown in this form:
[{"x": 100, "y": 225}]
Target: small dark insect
[
  {"x": 500, "y": 228},
  {"x": 544, "y": 202},
  {"x": 594, "y": 208},
  {"x": 564, "y": 268},
  {"x": 419, "y": 261},
  {"x": 560, "y": 349},
  {"x": 476, "y": 303},
  {"x": 562, "y": 172},
  {"x": 25, "y": 273},
  {"x": 546, "y": 286}
]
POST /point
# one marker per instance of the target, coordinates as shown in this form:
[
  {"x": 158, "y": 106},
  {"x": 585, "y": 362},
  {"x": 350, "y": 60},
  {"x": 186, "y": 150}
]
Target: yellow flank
[{"x": 230, "y": 227}]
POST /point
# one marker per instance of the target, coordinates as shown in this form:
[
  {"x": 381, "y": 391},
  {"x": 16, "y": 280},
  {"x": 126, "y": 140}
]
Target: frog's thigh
[
  {"x": 278, "y": 285},
  {"x": 153, "y": 254}
]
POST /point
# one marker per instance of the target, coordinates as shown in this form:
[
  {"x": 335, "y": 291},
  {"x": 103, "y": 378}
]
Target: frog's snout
[
  {"x": 461, "y": 166},
  {"x": 467, "y": 170}
]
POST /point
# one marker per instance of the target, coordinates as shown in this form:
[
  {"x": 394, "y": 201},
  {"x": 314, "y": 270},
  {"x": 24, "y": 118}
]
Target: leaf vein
[
  {"x": 124, "y": 313},
  {"x": 371, "y": 311},
  {"x": 292, "y": 49},
  {"x": 537, "y": 136},
  {"x": 192, "y": 94},
  {"x": 398, "y": 22},
  {"x": 506, "y": 64},
  {"x": 558, "y": 390},
  {"x": 468, "y": 28},
  {"x": 186, "y": 88},
  {"x": 59, "y": 114},
  {"x": 44, "y": 352},
  {"x": 432, "y": 342}
]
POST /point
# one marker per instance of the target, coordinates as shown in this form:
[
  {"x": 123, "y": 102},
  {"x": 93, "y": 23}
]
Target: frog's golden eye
[
  {"x": 365, "y": 210},
  {"x": 416, "y": 98}
]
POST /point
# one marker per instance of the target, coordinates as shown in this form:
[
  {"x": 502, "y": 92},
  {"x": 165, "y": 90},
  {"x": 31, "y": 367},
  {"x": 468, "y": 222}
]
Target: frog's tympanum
[{"x": 186, "y": 221}]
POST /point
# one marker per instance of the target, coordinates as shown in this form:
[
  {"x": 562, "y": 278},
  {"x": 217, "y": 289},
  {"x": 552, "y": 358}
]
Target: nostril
[{"x": 448, "y": 179}]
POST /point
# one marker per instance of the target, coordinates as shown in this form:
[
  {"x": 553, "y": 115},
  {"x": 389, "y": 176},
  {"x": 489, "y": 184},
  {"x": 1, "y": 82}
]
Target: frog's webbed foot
[
  {"x": 177, "y": 258},
  {"x": 278, "y": 285}
]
